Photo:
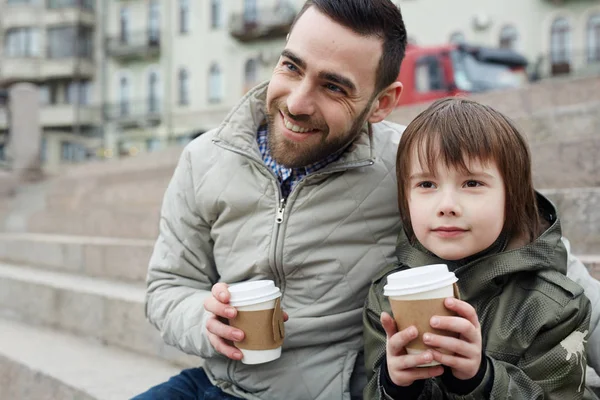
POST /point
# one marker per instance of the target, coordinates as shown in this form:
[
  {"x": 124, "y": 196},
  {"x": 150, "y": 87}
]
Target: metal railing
[
  {"x": 572, "y": 63},
  {"x": 138, "y": 111},
  {"x": 82, "y": 4},
  {"x": 264, "y": 23},
  {"x": 144, "y": 43}
]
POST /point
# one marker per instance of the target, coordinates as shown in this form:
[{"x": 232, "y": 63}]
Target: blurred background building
[{"x": 119, "y": 77}]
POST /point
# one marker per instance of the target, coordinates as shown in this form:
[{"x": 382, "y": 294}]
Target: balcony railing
[
  {"x": 82, "y": 4},
  {"x": 140, "y": 45},
  {"x": 146, "y": 112},
  {"x": 570, "y": 63},
  {"x": 266, "y": 23}
]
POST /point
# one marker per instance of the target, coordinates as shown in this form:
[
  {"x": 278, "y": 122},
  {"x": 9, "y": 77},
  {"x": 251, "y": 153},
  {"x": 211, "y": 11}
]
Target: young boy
[{"x": 466, "y": 197}]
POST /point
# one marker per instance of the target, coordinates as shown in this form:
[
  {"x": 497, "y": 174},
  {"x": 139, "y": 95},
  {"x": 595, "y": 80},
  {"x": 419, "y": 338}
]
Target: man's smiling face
[{"x": 322, "y": 90}]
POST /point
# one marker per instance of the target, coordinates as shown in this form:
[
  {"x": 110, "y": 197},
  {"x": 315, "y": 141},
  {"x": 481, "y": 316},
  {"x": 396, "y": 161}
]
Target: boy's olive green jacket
[{"x": 534, "y": 320}]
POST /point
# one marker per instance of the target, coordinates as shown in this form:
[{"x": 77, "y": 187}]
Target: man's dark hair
[{"x": 380, "y": 18}]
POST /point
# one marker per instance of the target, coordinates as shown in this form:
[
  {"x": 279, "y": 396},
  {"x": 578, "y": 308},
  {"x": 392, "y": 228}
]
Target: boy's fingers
[
  {"x": 466, "y": 368},
  {"x": 407, "y": 377},
  {"x": 451, "y": 344},
  {"x": 398, "y": 342},
  {"x": 389, "y": 325},
  {"x": 459, "y": 325},
  {"x": 409, "y": 361},
  {"x": 463, "y": 309}
]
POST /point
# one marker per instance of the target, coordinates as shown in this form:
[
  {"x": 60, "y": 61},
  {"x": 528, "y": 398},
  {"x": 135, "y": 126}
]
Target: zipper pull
[{"x": 280, "y": 211}]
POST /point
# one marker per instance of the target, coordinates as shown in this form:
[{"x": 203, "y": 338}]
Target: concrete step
[
  {"x": 107, "y": 311},
  {"x": 566, "y": 164},
  {"x": 592, "y": 262},
  {"x": 580, "y": 219},
  {"x": 132, "y": 224},
  {"x": 103, "y": 257},
  {"x": 43, "y": 364},
  {"x": 144, "y": 189}
]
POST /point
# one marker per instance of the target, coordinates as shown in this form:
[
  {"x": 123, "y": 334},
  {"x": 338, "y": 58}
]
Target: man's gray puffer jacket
[{"x": 219, "y": 223}]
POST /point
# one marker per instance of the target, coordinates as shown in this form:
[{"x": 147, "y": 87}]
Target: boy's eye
[
  {"x": 426, "y": 185},
  {"x": 472, "y": 184}
]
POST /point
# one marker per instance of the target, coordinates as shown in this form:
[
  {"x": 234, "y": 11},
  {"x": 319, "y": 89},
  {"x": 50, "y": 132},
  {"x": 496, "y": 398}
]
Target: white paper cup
[
  {"x": 416, "y": 295},
  {"x": 255, "y": 296}
]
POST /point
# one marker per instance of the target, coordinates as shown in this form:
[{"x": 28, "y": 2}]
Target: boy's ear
[{"x": 386, "y": 102}]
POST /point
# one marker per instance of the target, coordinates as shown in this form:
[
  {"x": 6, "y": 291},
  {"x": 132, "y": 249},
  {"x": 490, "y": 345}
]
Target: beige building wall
[{"x": 211, "y": 44}]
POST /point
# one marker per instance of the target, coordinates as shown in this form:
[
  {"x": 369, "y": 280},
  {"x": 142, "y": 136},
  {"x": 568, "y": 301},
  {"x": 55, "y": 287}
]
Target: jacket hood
[
  {"x": 238, "y": 130},
  {"x": 546, "y": 252}
]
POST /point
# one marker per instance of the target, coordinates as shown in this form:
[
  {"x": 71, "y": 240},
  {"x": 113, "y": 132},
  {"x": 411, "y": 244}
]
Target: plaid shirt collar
[{"x": 288, "y": 177}]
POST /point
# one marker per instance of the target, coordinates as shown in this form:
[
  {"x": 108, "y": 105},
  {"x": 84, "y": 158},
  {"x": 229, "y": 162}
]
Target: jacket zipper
[
  {"x": 280, "y": 211},
  {"x": 276, "y": 256}
]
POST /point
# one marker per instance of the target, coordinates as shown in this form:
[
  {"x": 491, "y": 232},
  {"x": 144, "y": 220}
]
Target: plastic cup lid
[
  {"x": 253, "y": 292},
  {"x": 419, "y": 279}
]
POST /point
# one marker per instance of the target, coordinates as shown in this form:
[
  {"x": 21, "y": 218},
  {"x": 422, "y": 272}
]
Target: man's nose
[
  {"x": 301, "y": 100},
  {"x": 449, "y": 205}
]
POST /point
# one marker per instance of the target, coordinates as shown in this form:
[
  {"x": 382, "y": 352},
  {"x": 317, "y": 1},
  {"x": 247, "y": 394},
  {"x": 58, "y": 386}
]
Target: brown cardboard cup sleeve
[
  {"x": 263, "y": 329},
  {"x": 419, "y": 313}
]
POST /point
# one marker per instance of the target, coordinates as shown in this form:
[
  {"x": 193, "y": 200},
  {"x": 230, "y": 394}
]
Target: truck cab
[{"x": 430, "y": 73}]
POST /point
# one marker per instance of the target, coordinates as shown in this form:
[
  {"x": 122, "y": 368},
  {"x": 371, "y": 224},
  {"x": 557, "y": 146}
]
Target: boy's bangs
[{"x": 454, "y": 149}]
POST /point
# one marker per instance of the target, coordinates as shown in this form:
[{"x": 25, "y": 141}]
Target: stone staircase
[
  {"x": 73, "y": 258},
  {"x": 74, "y": 252}
]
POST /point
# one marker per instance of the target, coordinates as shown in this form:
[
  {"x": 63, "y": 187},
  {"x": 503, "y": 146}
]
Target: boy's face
[{"x": 455, "y": 214}]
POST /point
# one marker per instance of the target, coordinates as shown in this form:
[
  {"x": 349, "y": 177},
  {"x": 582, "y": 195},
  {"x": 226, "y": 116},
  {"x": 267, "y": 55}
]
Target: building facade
[{"x": 118, "y": 77}]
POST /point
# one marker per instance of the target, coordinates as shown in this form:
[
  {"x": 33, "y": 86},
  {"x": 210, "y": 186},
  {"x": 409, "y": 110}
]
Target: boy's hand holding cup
[{"x": 425, "y": 307}]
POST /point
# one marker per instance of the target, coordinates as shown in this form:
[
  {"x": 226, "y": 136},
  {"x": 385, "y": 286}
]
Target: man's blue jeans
[{"x": 190, "y": 384}]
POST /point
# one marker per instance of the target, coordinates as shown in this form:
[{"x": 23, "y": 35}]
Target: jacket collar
[{"x": 238, "y": 132}]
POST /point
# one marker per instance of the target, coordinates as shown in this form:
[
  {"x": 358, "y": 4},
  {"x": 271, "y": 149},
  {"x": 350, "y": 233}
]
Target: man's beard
[{"x": 296, "y": 155}]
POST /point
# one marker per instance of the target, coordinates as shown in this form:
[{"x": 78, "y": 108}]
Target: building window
[
  {"x": 153, "y": 93},
  {"x": 560, "y": 41},
  {"x": 250, "y": 13},
  {"x": 154, "y": 22},
  {"x": 17, "y": 2},
  {"x": 78, "y": 92},
  {"x": 215, "y": 13},
  {"x": 124, "y": 25},
  {"x": 44, "y": 91},
  {"x": 508, "y": 37},
  {"x": 250, "y": 74},
  {"x": 184, "y": 16},
  {"x": 593, "y": 38},
  {"x": 22, "y": 42},
  {"x": 214, "y": 84},
  {"x": 70, "y": 41},
  {"x": 457, "y": 37},
  {"x": 124, "y": 96},
  {"x": 184, "y": 87},
  {"x": 84, "y": 4},
  {"x": 152, "y": 144}
]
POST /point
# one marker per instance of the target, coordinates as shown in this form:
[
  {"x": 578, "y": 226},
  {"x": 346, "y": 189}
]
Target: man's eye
[
  {"x": 290, "y": 66},
  {"x": 472, "y": 184},
  {"x": 334, "y": 88}
]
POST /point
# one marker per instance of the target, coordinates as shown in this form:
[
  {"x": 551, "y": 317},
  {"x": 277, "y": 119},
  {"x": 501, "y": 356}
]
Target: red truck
[{"x": 430, "y": 73}]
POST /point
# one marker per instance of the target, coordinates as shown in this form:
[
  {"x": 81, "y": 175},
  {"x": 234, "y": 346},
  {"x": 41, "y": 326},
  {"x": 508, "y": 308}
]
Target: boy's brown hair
[{"x": 455, "y": 130}]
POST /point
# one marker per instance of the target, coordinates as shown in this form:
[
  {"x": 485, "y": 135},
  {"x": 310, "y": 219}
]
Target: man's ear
[{"x": 386, "y": 102}]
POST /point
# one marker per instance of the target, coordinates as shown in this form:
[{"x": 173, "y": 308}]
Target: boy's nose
[{"x": 449, "y": 206}]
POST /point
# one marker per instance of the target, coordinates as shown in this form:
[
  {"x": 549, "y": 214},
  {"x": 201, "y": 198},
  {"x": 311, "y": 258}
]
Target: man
[
  {"x": 308, "y": 202},
  {"x": 297, "y": 185}
]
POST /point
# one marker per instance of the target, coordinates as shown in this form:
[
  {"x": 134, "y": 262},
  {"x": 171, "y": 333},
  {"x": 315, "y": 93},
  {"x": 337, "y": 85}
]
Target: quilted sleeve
[{"x": 181, "y": 271}]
